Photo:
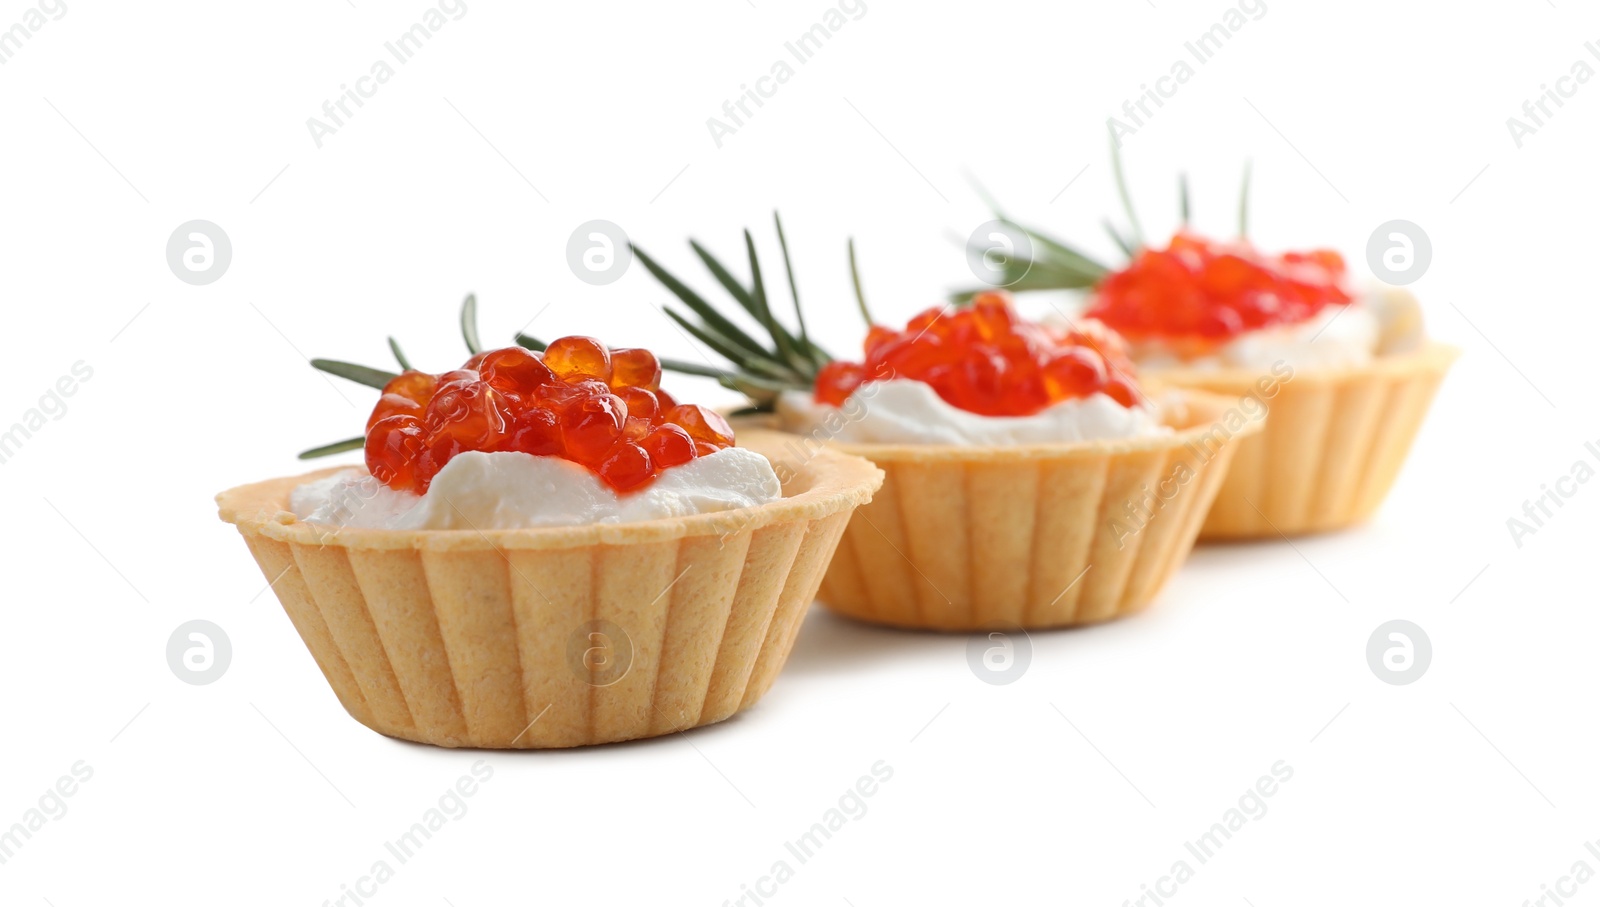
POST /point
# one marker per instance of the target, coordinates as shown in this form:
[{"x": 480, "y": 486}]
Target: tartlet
[
  {"x": 464, "y": 638},
  {"x": 1032, "y": 536},
  {"x": 1339, "y": 426},
  {"x": 596, "y": 601},
  {"x": 1333, "y": 443},
  {"x": 981, "y": 534}
]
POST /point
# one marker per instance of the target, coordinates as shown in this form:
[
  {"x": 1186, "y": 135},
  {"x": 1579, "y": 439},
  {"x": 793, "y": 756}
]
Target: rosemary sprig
[
  {"x": 1122, "y": 187},
  {"x": 787, "y": 346},
  {"x": 360, "y": 374},
  {"x": 1244, "y": 202},
  {"x": 816, "y": 355},
  {"x": 762, "y": 369},
  {"x": 399, "y": 355},
  {"x": 712, "y": 318},
  {"x": 328, "y": 450},
  {"x": 752, "y": 299},
  {"x": 756, "y": 363},
  {"x": 1052, "y": 265},
  {"x": 1066, "y": 258},
  {"x": 377, "y": 377},
  {"x": 1122, "y": 243},
  {"x": 855, "y": 282},
  {"x": 469, "y": 324}
]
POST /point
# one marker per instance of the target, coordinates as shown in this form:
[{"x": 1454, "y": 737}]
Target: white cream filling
[
  {"x": 1338, "y": 336},
  {"x": 903, "y": 411},
  {"x": 511, "y": 490}
]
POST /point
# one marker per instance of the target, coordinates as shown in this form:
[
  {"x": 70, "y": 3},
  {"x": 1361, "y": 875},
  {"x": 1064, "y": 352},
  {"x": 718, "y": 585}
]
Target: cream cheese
[
  {"x": 1338, "y": 336},
  {"x": 902, "y": 411},
  {"x": 513, "y": 490}
]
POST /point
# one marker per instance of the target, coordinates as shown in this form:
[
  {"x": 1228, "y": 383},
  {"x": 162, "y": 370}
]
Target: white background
[{"x": 1077, "y": 784}]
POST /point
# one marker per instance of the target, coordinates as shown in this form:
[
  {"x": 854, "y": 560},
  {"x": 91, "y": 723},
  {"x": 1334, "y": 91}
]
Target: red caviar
[
  {"x": 579, "y": 400},
  {"x": 988, "y": 360},
  {"x": 1208, "y": 292}
]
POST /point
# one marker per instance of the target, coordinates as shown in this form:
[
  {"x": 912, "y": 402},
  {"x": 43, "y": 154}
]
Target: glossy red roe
[
  {"x": 578, "y": 400},
  {"x": 536, "y": 430},
  {"x": 470, "y": 412},
  {"x": 393, "y": 445},
  {"x": 702, "y": 424},
  {"x": 1203, "y": 293},
  {"x": 669, "y": 445},
  {"x": 633, "y": 367},
  {"x": 627, "y": 466},
  {"x": 413, "y": 385},
  {"x": 590, "y": 425},
  {"x": 515, "y": 370},
  {"x": 574, "y": 357},
  {"x": 641, "y": 403},
  {"x": 393, "y": 405},
  {"x": 987, "y": 359},
  {"x": 838, "y": 379}
]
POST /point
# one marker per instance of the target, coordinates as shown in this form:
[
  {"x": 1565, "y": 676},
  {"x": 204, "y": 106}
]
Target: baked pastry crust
[
  {"x": 1334, "y": 442},
  {"x": 1032, "y": 536},
  {"x": 467, "y": 638}
]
